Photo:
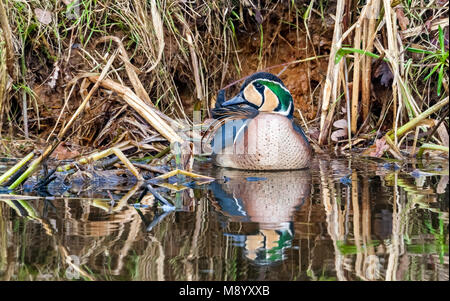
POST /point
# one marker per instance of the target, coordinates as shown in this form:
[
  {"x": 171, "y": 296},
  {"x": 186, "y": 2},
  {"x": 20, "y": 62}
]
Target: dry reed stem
[
  {"x": 158, "y": 27},
  {"x": 195, "y": 66},
  {"x": 356, "y": 80},
  {"x": 148, "y": 113},
  {"x": 7, "y": 35},
  {"x": 415, "y": 31},
  {"x": 130, "y": 69},
  {"x": 367, "y": 70},
  {"x": 88, "y": 97},
  {"x": 331, "y": 81},
  {"x": 134, "y": 79},
  {"x": 3, "y": 82},
  {"x": 401, "y": 94},
  {"x": 52, "y": 146}
]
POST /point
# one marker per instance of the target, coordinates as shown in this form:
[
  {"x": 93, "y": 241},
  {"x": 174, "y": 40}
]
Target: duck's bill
[{"x": 238, "y": 99}]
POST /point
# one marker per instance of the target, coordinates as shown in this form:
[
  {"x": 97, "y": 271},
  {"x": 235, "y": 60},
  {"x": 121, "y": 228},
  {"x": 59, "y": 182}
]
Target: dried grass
[{"x": 175, "y": 56}]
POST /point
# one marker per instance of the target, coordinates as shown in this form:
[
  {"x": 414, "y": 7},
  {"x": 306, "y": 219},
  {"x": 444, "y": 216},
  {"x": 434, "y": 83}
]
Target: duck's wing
[
  {"x": 240, "y": 111},
  {"x": 299, "y": 130},
  {"x": 228, "y": 134},
  {"x": 228, "y": 204},
  {"x": 229, "y": 126}
]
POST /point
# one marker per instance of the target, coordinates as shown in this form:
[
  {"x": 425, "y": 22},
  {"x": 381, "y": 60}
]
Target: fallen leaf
[
  {"x": 62, "y": 152},
  {"x": 380, "y": 148},
  {"x": 339, "y": 135},
  {"x": 341, "y": 124},
  {"x": 43, "y": 16},
  {"x": 442, "y": 185},
  {"x": 443, "y": 134},
  {"x": 402, "y": 20},
  {"x": 314, "y": 133}
]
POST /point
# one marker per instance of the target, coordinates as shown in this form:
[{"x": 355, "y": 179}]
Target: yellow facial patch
[
  {"x": 270, "y": 101},
  {"x": 252, "y": 95}
]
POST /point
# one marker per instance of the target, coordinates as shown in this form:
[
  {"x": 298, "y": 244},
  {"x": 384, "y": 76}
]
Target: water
[{"x": 344, "y": 219}]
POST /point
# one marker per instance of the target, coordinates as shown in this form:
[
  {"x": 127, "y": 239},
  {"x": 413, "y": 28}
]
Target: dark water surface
[{"x": 344, "y": 219}]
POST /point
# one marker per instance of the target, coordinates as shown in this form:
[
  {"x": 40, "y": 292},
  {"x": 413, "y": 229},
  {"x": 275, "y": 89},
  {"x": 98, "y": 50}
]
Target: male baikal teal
[{"x": 256, "y": 129}]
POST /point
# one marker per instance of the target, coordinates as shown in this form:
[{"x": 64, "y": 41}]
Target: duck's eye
[{"x": 257, "y": 85}]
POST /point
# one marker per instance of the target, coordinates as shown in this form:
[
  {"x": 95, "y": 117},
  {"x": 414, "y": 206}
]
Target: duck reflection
[{"x": 265, "y": 200}]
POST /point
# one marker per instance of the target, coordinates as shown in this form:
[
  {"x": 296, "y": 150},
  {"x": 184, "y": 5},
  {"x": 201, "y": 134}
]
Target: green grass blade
[
  {"x": 440, "y": 78},
  {"x": 431, "y": 73},
  {"x": 441, "y": 39}
]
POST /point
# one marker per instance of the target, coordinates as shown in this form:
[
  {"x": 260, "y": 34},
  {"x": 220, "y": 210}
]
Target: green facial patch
[{"x": 284, "y": 97}]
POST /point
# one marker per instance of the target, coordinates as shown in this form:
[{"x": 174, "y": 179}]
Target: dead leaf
[
  {"x": 443, "y": 134},
  {"x": 402, "y": 20},
  {"x": 442, "y": 185},
  {"x": 314, "y": 133},
  {"x": 62, "y": 152},
  {"x": 339, "y": 135},
  {"x": 380, "y": 148},
  {"x": 43, "y": 16},
  {"x": 341, "y": 124}
]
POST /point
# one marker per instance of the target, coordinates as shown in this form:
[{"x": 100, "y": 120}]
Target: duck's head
[{"x": 265, "y": 92}]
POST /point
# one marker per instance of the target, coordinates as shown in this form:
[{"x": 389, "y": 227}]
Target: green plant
[{"x": 439, "y": 59}]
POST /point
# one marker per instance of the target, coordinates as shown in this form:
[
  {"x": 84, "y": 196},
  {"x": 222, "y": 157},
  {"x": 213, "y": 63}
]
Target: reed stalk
[
  {"x": 367, "y": 71},
  {"x": 416, "y": 121},
  {"x": 331, "y": 81},
  {"x": 430, "y": 146},
  {"x": 16, "y": 167},
  {"x": 356, "y": 80},
  {"x": 144, "y": 110},
  {"x": 7, "y": 34}
]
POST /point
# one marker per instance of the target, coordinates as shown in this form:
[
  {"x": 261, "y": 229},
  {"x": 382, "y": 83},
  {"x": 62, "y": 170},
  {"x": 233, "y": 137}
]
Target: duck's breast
[{"x": 267, "y": 142}]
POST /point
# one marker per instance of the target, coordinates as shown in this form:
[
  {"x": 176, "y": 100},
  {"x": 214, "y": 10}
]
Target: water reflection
[
  {"x": 266, "y": 198},
  {"x": 344, "y": 219}
]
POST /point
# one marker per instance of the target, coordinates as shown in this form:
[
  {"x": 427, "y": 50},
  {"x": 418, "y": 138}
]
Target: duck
[
  {"x": 255, "y": 130},
  {"x": 246, "y": 199}
]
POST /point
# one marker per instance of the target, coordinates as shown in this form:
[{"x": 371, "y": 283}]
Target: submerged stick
[
  {"x": 167, "y": 206},
  {"x": 183, "y": 172},
  {"x": 97, "y": 156}
]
